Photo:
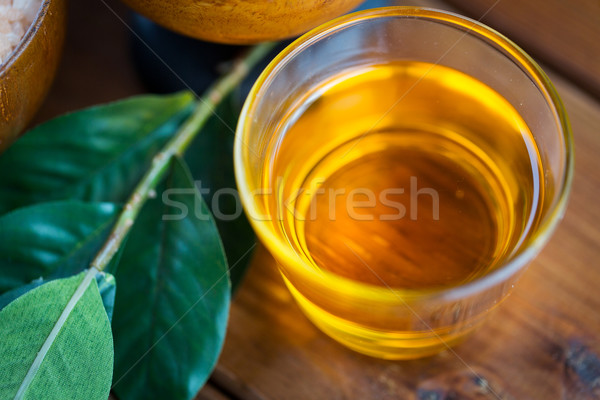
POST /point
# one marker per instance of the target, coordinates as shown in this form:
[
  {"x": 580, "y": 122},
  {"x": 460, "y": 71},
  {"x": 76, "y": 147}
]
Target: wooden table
[{"x": 542, "y": 344}]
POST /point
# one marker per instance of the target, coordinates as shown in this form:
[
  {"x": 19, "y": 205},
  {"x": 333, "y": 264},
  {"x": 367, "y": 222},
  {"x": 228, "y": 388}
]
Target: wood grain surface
[
  {"x": 543, "y": 343},
  {"x": 563, "y": 34}
]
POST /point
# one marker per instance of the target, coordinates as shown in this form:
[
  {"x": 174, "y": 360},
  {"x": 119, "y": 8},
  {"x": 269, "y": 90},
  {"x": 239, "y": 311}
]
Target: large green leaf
[
  {"x": 173, "y": 303},
  {"x": 97, "y": 154},
  {"x": 210, "y": 158},
  {"x": 51, "y": 240},
  {"x": 56, "y": 343},
  {"x": 106, "y": 286}
]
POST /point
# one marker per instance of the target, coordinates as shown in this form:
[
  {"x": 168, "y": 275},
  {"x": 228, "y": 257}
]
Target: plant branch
[{"x": 176, "y": 146}]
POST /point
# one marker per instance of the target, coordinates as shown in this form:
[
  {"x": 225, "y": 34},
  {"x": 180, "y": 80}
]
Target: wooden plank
[
  {"x": 562, "y": 34},
  {"x": 209, "y": 392},
  {"x": 541, "y": 344}
]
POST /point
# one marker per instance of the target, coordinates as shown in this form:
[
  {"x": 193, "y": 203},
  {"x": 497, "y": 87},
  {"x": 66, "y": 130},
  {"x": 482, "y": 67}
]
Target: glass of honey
[{"x": 403, "y": 166}]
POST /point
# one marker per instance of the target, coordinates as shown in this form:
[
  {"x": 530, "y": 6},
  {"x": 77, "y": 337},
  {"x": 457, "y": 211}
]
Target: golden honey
[{"x": 406, "y": 175}]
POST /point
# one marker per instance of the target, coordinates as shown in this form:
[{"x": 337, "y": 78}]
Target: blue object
[{"x": 168, "y": 62}]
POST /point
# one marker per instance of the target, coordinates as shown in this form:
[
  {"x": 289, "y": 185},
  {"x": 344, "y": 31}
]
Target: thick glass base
[{"x": 389, "y": 345}]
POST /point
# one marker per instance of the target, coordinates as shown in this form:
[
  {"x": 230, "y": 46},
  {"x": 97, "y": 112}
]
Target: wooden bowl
[
  {"x": 27, "y": 74},
  {"x": 241, "y": 21}
]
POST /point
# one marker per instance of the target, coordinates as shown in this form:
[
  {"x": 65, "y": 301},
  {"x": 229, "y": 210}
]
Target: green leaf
[
  {"x": 97, "y": 154},
  {"x": 173, "y": 299},
  {"x": 51, "y": 240},
  {"x": 210, "y": 158},
  {"x": 12, "y": 295},
  {"x": 56, "y": 343},
  {"x": 107, "y": 287}
]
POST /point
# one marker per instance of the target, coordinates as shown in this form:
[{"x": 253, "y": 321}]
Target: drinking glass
[{"x": 382, "y": 320}]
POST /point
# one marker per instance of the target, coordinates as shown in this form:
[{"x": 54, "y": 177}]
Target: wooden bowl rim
[{"x": 27, "y": 38}]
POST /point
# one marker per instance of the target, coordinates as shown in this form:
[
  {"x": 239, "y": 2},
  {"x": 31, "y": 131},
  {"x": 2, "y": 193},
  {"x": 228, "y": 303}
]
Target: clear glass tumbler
[{"x": 384, "y": 320}]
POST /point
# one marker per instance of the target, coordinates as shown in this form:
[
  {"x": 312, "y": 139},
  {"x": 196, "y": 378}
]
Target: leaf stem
[{"x": 177, "y": 146}]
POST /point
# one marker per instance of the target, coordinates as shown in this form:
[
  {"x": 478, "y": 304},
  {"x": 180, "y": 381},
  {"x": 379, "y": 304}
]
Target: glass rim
[{"x": 287, "y": 255}]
